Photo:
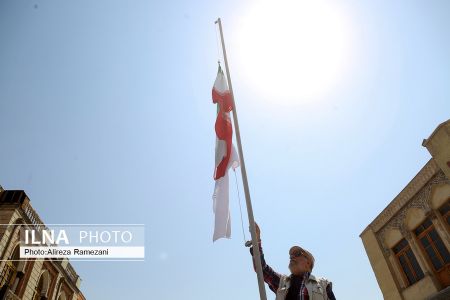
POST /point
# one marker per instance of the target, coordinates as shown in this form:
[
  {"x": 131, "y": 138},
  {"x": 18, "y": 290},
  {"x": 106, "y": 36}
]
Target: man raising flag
[{"x": 226, "y": 157}]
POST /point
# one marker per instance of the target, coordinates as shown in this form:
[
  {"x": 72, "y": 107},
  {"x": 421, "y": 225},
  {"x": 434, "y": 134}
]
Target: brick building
[{"x": 48, "y": 279}]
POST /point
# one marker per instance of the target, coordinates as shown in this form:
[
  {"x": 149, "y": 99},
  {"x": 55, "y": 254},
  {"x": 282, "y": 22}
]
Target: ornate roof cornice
[{"x": 412, "y": 188}]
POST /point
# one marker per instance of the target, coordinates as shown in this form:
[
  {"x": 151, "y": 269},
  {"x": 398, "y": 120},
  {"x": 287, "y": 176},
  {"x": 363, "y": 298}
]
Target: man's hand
[
  {"x": 258, "y": 232},
  {"x": 258, "y": 236}
]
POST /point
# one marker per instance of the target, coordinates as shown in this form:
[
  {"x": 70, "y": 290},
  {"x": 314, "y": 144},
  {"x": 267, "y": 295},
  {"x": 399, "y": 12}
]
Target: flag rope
[
  {"x": 217, "y": 44},
  {"x": 240, "y": 208}
]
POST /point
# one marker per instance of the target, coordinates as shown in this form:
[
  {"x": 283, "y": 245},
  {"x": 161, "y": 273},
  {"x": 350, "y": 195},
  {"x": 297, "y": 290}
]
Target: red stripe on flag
[
  {"x": 223, "y": 99},
  {"x": 224, "y": 131}
]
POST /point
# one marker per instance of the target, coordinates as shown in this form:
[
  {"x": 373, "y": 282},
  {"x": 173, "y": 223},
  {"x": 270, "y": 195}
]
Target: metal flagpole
[{"x": 256, "y": 252}]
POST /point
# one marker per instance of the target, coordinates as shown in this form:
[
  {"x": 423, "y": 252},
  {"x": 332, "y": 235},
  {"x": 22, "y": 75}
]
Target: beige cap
[{"x": 300, "y": 251}]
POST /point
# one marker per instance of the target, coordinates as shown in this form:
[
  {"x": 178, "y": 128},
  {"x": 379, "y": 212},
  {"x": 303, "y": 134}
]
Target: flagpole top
[{"x": 217, "y": 21}]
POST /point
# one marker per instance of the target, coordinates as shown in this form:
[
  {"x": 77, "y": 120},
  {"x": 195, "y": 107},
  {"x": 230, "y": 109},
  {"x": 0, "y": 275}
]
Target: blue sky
[{"x": 106, "y": 117}]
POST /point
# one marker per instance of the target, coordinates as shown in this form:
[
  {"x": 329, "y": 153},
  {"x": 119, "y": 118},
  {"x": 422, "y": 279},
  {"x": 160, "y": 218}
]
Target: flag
[{"x": 226, "y": 157}]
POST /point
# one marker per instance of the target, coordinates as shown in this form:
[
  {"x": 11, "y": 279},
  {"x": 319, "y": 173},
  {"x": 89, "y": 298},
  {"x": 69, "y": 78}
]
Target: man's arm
[{"x": 271, "y": 277}]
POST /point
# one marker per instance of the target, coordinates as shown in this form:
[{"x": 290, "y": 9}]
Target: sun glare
[{"x": 292, "y": 50}]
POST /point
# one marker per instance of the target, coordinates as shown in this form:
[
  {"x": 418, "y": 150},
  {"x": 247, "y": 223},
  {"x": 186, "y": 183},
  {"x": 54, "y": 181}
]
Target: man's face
[{"x": 298, "y": 264}]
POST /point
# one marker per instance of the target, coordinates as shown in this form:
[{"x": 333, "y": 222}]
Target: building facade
[
  {"x": 32, "y": 279},
  {"x": 408, "y": 243}
]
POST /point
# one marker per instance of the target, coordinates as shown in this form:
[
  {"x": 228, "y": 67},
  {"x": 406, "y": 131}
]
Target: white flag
[{"x": 222, "y": 222}]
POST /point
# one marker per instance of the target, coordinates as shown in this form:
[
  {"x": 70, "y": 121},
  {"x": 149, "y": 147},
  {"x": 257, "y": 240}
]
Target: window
[
  {"x": 408, "y": 262},
  {"x": 433, "y": 245},
  {"x": 445, "y": 212}
]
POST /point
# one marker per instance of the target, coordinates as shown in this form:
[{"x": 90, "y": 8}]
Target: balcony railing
[
  {"x": 33, "y": 216},
  {"x": 7, "y": 273}
]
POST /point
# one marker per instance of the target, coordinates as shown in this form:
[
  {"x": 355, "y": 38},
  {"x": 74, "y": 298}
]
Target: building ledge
[
  {"x": 423, "y": 176},
  {"x": 425, "y": 141}
]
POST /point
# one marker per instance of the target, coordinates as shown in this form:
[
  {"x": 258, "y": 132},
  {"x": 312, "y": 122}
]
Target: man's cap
[{"x": 305, "y": 253}]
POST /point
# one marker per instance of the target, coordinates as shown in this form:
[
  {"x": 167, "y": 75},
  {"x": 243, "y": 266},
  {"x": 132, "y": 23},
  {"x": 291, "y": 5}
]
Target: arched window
[{"x": 40, "y": 291}]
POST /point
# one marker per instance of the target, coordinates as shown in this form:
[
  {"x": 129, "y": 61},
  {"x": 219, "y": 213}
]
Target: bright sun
[{"x": 292, "y": 50}]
